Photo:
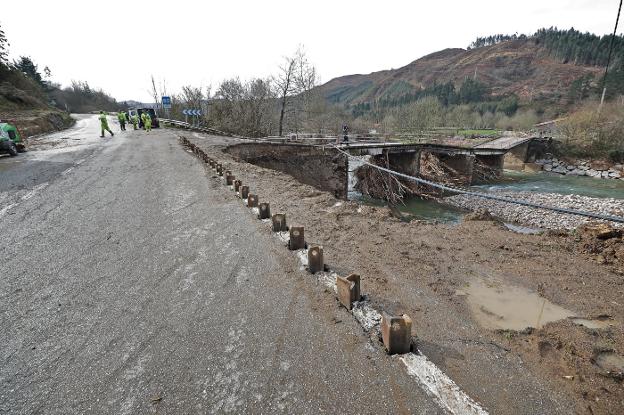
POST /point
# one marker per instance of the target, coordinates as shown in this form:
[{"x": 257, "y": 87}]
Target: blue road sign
[{"x": 166, "y": 102}]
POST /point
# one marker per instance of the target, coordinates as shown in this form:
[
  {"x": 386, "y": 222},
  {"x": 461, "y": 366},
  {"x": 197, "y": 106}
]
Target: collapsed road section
[
  {"x": 424, "y": 270},
  {"x": 395, "y": 332}
]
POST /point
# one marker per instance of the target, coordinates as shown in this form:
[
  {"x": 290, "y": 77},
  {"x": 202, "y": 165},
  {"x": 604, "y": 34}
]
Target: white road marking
[
  {"x": 6, "y": 208},
  {"x": 34, "y": 190},
  {"x": 448, "y": 395}
]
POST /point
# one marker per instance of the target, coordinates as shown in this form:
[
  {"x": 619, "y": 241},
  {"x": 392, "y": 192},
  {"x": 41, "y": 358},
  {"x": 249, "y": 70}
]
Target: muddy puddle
[
  {"x": 498, "y": 306},
  {"x": 505, "y": 307},
  {"x": 525, "y": 230},
  {"x": 599, "y": 323},
  {"x": 610, "y": 361}
]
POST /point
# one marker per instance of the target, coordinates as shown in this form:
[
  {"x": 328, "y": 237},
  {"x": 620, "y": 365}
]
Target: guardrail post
[
  {"x": 252, "y": 201},
  {"x": 279, "y": 222},
  {"x": 297, "y": 238},
  {"x": 348, "y": 290},
  {"x": 244, "y": 192},
  {"x": 264, "y": 211},
  {"x": 315, "y": 259},
  {"x": 396, "y": 332}
]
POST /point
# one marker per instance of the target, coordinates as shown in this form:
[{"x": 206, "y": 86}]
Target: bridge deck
[
  {"x": 374, "y": 147},
  {"x": 504, "y": 143}
]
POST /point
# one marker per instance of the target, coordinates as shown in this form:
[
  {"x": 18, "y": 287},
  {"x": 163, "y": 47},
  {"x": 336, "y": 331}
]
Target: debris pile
[{"x": 604, "y": 242}]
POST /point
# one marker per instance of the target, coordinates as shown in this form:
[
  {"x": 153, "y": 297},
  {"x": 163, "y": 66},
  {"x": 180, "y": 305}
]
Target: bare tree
[
  {"x": 295, "y": 79},
  {"x": 285, "y": 84}
]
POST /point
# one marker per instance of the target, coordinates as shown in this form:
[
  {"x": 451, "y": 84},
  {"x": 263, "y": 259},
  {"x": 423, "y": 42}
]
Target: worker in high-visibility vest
[
  {"x": 104, "y": 124},
  {"x": 135, "y": 120},
  {"x": 121, "y": 116},
  {"x": 148, "y": 122},
  {"x": 143, "y": 118}
]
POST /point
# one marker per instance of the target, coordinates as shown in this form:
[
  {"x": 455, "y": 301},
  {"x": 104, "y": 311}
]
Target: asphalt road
[{"x": 132, "y": 282}]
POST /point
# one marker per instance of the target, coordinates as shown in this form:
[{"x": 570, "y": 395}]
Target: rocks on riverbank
[
  {"x": 541, "y": 218},
  {"x": 596, "y": 169}
]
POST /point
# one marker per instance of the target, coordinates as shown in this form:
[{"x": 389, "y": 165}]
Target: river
[{"x": 540, "y": 182}]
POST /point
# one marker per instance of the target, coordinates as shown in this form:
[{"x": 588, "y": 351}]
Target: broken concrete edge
[{"x": 447, "y": 394}]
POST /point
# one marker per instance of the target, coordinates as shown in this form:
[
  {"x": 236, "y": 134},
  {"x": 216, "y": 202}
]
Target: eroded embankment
[
  {"x": 424, "y": 270},
  {"x": 35, "y": 122}
]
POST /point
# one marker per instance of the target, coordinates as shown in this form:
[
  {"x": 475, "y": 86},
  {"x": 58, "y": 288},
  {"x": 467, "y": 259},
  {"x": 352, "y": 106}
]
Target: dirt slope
[{"x": 520, "y": 67}]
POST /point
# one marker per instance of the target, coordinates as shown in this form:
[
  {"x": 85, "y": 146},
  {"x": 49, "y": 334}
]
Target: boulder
[
  {"x": 570, "y": 167},
  {"x": 479, "y": 215},
  {"x": 599, "y": 165},
  {"x": 560, "y": 170},
  {"x": 548, "y": 167}
]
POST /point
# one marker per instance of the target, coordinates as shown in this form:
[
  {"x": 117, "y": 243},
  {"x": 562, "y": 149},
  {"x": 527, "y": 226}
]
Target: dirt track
[{"x": 421, "y": 269}]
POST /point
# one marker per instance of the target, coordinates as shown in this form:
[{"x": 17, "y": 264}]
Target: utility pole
[{"x": 604, "y": 89}]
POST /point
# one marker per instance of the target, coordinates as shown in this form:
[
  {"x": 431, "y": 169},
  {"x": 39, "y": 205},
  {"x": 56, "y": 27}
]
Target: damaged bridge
[{"x": 322, "y": 166}]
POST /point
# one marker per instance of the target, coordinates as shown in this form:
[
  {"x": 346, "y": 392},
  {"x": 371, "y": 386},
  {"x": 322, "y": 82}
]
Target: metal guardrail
[{"x": 190, "y": 126}]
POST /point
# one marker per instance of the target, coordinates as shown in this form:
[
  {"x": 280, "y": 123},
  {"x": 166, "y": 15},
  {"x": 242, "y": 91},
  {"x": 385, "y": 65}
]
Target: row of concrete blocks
[{"x": 395, "y": 330}]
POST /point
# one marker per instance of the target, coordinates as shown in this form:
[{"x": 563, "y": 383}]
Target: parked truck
[
  {"x": 11, "y": 140},
  {"x": 150, "y": 111}
]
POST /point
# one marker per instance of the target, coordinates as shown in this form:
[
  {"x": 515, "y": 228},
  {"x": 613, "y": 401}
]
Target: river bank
[
  {"x": 599, "y": 169},
  {"x": 427, "y": 270},
  {"x": 541, "y": 218}
]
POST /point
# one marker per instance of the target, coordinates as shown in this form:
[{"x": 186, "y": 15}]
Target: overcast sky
[{"x": 117, "y": 45}]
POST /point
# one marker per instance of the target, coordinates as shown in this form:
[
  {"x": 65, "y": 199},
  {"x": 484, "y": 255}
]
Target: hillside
[{"x": 521, "y": 67}]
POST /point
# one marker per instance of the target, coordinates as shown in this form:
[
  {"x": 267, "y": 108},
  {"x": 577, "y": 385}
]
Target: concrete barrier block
[
  {"x": 252, "y": 201},
  {"x": 297, "y": 238},
  {"x": 237, "y": 185},
  {"x": 244, "y": 192},
  {"x": 264, "y": 211},
  {"x": 396, "y": 332},
  {"x": 315, "y": 259},
  {"x": 229, "y": 179},
  {"x": 348, "y": 289},
  {"x": 279, "y": 222}
]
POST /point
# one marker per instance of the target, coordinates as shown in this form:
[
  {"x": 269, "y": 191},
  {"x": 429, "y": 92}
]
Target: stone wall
[
  {"x": 323, "y": 168},
  {"x": 598, "y": 169}
]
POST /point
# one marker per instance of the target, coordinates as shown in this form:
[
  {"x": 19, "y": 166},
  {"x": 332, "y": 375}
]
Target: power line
[{"x": 604, "y": 89}]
